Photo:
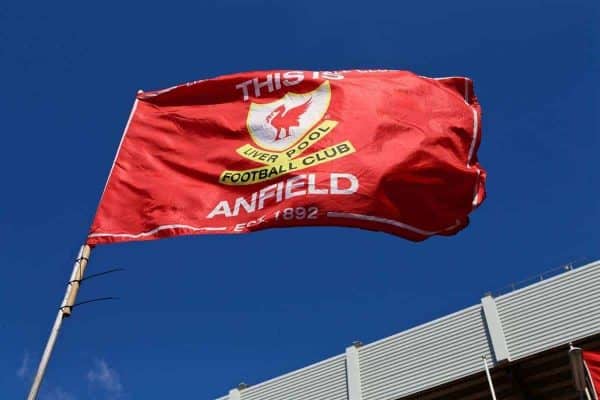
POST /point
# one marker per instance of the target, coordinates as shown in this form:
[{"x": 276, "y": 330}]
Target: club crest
[
  {"x": 278, "y": 125},
  {"x": 287, "y": 132}
]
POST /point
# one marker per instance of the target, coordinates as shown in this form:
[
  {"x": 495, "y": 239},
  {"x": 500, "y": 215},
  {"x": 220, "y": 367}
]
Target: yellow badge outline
[
  {"x": 270, "y": 158},
  {"x": 283, "y": 167}
]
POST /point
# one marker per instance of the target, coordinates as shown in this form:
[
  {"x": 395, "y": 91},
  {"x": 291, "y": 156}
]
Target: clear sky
[{"x": 198, "y": 315}]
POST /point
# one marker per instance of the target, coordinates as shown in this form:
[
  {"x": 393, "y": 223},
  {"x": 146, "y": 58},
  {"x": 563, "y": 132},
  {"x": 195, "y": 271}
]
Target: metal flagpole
[
  {"x": 489, "y": 378},
  {"x": 587, "y": 394},
  {"x": 65, "y": 310}
]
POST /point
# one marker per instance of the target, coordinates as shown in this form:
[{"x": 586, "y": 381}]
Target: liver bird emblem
[
  {"x": 278, "y": 125},
  {"x": 282, "y": 118}
]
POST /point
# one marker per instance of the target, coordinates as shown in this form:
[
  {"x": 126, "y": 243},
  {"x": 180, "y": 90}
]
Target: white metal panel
[
  {"x": 426, "y": 356},
  {"x": 353, "y": 374},
  {"x": 322, "y": 381},
  {"x": 552, "y": 312}
]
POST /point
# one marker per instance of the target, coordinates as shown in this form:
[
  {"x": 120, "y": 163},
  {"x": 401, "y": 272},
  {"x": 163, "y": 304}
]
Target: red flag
[
  {"x": 591, "y": 361},
  {"x": 380, "y": 150}
]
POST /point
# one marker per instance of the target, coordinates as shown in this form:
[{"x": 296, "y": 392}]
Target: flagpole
[
  {"x": 65, "y": 310},
  {"x": 489, "y": 378}
]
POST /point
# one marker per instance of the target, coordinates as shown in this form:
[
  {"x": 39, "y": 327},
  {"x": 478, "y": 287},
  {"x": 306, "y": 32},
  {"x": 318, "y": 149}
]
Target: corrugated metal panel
[
  {"x": 536, "y": 318},
  {"x": 552, "y": 312},
  {"x": 426, "y": 356},
  {"x": 322, "y": 381}
]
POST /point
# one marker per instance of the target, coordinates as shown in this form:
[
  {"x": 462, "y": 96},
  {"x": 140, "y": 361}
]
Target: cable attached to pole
[
  {"x": 94, "y": 300},
  {"x": 110, "y": 271}
]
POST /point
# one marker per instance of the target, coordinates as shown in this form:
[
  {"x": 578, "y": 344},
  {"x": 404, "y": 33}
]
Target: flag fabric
[
  {"x": 591, "y": 360},
  {"x": 380, "y": 150}
]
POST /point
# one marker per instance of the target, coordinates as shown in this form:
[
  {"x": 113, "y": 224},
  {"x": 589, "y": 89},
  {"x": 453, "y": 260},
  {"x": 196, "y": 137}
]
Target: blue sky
[{"x": 198, "y": 315}]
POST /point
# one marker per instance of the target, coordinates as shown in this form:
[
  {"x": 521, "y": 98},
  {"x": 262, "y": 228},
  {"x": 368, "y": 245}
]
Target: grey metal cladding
[
  {"x": 552, "y": 312},
  {"x": 440, "y": 351},
  {"x": 325, "y": 380},
  {"x": 533, "y": 319}
]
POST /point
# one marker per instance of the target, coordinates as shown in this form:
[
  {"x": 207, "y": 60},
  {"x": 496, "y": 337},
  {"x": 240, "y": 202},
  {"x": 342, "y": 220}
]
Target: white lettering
[
  {"x": 312, "y": 187},
  {"x": 277, "y": 80},
  {"x": 293, "y": 183},
  {"x": 268, "y": 84},
  {"x": 331, "y": 75},
  {"x": 241, "y": 202},
  {"x": 292, "y": 78},
  {"x": 221, "y": 208},
  {"x": 244, "y": 87},
  {"x": 264, "y": 194},
  {"x": 335, "y": 188},
  {"x": 300, "y": 185}
]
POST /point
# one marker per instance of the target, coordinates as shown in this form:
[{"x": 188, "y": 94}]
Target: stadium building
[{"x": 513, "y": 346}]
